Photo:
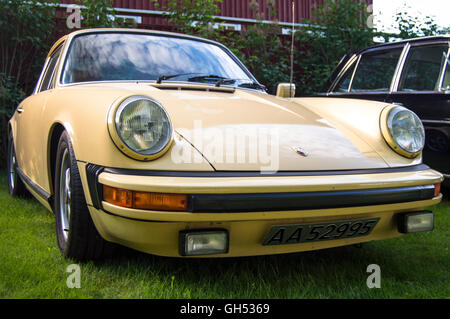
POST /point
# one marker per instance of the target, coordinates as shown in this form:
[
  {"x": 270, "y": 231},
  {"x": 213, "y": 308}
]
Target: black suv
[{"x": 414, "y": 73}]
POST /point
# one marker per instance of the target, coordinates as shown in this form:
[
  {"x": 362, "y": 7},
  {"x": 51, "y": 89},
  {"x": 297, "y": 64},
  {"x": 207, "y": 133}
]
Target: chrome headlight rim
[
  {"x": 114, "y": 113},
  {"x": 387, "y": 134}
]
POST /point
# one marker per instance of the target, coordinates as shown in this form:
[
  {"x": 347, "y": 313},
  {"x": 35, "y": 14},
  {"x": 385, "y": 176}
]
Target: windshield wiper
[
  {"x": 252, "y": 85},
  {"x": 214, "y": 78},
  {"x": 223, "y": 81},
  {"x": 217, "y": 79},
  {"x": 206, "y": 77},
  {"x": 167, "y": 77}
]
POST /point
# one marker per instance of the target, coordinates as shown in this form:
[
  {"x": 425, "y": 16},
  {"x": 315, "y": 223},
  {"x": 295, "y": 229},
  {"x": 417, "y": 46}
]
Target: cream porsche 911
[{"x": 167, "y": 144}]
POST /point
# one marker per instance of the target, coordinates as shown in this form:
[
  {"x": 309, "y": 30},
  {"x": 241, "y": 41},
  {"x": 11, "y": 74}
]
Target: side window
[
  {"x": 423, "y": 68},
  {"x": 375, "y": 71},
  {"x": 446, "y": 81},
  {"x": 48, "y": 75},
  {"x": 344, "y": 82}
]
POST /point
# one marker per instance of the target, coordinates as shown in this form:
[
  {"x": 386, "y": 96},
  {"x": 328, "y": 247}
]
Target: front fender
[
  {"x": 360, "y": 119},
  {"x": 84, "y": 116}
]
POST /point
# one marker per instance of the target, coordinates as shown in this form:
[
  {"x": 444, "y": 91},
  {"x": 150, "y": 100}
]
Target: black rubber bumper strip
[
  {"x": 35, "y": 187},
  {"x": 95, "y": 188},
  {"x": 307, "y": 200},
  {"x": 219, "y": 203}
]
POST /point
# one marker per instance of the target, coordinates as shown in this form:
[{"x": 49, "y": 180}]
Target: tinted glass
[
  {"x": 446, "y": 81},
  {"x": 423, "y": 67},
  {"x": 46, "y": 81},
  {"x": 375, "y": 71},
  {"x": 128, "y": 56}
]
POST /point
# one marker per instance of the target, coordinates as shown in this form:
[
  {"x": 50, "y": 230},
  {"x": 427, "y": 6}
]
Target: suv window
[
  {"x": 48, "y": 76},
  {"x": 446, "y": 81},
  {"x": 375, "y": 71},
  {"x": 423, "y": 67},
  {"x": 344, "y": 82}
]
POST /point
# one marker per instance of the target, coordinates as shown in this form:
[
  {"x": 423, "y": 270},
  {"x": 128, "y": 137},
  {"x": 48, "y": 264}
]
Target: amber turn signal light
[
  {"x": 144, "y": 200},
  {"x": 437, "y": 189},
  {"x": 117, "y": 196}
]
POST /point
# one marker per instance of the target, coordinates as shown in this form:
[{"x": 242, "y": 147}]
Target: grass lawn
[{"x": 413, "y": 266}]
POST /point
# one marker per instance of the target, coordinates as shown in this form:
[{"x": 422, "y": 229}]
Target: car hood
[
  {"x": 225, "y": 129},
  {"x": 248, "y": 131}
]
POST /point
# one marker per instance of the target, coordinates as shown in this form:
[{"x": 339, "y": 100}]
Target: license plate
[{"x": 303, "y": 233}]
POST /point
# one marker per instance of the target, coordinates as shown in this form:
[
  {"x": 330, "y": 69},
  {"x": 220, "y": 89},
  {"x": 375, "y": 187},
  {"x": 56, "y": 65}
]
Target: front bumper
[{"x": 248, "y": 206}]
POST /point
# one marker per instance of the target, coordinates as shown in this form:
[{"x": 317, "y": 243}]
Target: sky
[{"x": 385, "y": 10}]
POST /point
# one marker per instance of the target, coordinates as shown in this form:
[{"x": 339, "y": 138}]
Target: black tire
[
  {"x": 436, "y": 141},
  {"x": 76, "y": 234},
  {"x": 15, "y": 185}
]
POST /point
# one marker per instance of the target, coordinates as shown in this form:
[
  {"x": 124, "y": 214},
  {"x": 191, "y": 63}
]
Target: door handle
[{"x": 20, "y": 110}]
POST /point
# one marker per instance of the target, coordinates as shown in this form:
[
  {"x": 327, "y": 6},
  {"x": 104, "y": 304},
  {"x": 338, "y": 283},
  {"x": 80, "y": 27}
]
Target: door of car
[
  {"x": 424, "y": 87},
  {"x": 421, "y": 86},
  {"x": 30, "y": 133},
  {"x": 370, "y": 75}
]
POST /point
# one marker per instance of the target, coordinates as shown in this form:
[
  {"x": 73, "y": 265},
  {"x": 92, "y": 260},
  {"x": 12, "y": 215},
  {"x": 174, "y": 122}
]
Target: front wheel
[
  {"x": 76, "y": 233},
  {"x": 436, "y": 141}
]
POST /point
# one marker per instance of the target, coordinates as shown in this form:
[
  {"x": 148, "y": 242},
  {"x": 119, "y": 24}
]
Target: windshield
[{"x": 144, "y": 57}]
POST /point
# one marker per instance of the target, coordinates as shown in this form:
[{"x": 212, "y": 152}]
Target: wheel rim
[
  {"x": 12, "y": 168},
  {"x": 65, "y": 194}
]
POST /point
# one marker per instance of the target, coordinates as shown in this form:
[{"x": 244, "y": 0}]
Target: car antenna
[{"x": 292, "y": 50}]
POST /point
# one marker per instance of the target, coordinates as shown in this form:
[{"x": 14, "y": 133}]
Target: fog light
[
  {"x": 416, "y": 222},
  {"x": 207, "y": 242}
]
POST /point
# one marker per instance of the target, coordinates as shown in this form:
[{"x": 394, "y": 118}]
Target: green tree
[
  {"x": 264, "y": 50},
  {"x": 98, "y": 14},
  {"x": 336, "y": 28},
  {"x": 195, "y": 17},
  {"x": 416, "y": 26},
  {"x": 27, "y": 30}
]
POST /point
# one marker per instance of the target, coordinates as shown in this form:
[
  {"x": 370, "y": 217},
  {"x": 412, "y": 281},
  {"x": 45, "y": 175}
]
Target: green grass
[{"x": 413, "y": 266}]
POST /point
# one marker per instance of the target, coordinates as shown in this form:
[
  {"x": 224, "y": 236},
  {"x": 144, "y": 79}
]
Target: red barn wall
[{"x": 240, "y": 9}]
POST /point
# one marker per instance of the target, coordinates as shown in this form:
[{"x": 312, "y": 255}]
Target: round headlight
[
  {"x": 403, "y": 131},
  {"x": 140, "y": 128}
]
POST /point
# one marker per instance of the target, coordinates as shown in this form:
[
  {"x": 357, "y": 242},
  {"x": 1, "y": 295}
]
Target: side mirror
[{"x": 285, "y": 90}]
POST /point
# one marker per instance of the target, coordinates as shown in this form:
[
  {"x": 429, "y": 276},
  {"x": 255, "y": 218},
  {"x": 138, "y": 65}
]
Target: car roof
[
  {"x": 444, "y": 37},
  {"x": 346, "y": 58},
  {"x": 128, "y": 30}
]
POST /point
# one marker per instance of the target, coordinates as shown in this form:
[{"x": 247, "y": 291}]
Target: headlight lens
[
  {"x": 406, "y": 130},
  {"x": 143, "y": 125}
]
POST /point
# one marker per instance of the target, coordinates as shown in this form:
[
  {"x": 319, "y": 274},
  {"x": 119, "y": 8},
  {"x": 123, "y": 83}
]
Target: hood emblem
[{"x": 300, "y": 151}]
